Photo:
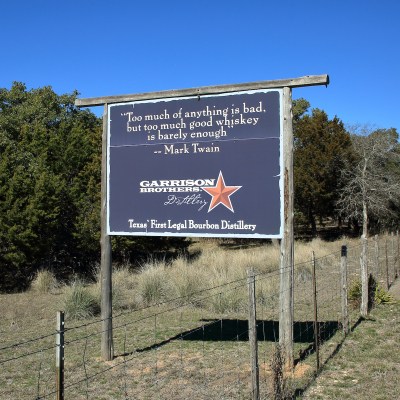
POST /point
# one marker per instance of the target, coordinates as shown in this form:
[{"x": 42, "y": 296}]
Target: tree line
[
  {"x": 50, "y": 159},
  {"x": 346, "y": 174}
]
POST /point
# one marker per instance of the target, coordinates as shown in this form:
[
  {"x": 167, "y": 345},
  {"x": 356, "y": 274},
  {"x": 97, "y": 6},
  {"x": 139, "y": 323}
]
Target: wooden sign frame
[{"x": 286, "y": 317}]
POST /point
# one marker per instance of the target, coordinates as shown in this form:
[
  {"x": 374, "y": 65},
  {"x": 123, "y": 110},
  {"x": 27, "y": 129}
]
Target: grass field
[
  {"x": 180, "y": 329},
  {"x": 368, "y": 364}
]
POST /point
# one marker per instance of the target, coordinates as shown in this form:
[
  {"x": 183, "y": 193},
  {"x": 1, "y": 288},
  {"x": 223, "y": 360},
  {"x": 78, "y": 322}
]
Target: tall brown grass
[
  {"x": 44, "y": 282},
  {"x": 182, "y": 279}
]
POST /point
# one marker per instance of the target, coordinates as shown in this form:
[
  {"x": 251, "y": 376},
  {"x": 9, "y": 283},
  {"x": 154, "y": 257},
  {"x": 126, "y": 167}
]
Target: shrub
[
  {"x": 123, "y": 278},
  {"x": 44, "y": 282},
  {"x": 377, "y": 295},
  {"x": 186, "y": 281},
  {"x": 152, "y": 283},
  {"x": 354, "y": 294},
  {"x": 123, "y": 285},
  {"x": 231, "y": 297},
  {"x": 123, "y": 281},
  {"x": 382, "y": 296},
  {"x": 79, "y": 301}
]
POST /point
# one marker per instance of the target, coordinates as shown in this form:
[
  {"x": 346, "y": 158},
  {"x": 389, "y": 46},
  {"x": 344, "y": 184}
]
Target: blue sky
[{"x": 103, "y": 48}]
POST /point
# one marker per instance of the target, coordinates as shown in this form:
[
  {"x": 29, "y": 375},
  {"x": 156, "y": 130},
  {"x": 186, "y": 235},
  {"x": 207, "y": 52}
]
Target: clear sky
[{"x": 112, "y": 47}]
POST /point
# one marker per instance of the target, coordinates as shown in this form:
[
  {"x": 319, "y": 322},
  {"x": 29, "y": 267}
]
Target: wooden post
[
  {"x": 364, "y": 277},
  {"x": 286, "y": 313},
  {"x": 255, "y": 389},
  {"x": 376, "y": 257},
  {"x": 393, "y": 258},
  {"x": 387, "y": 264},
  {"x": 60, "y": 356},
  {"x": 107, "y": 351},
  {"x": 316, "y": 328},
  {"x": 398, "y": 255},
  {"x": 343, "y": 273}
]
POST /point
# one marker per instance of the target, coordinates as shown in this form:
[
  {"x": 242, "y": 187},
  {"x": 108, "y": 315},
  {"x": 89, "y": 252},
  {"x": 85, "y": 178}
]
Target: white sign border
[{"x": 210, "y": 235}]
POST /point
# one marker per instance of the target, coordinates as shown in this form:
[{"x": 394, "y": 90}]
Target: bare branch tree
[{"x": 371, "y": 182}]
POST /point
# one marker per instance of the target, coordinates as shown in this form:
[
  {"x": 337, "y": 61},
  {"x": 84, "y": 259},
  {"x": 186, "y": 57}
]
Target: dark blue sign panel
[{"x": 197, "y": 166}]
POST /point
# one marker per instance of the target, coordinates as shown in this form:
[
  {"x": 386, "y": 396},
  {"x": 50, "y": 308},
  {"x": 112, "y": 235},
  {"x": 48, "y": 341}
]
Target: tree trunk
[
  {"x": 364, "y": 201},
  {"x": 356, "y": 226},
  {"x": 364, "y": 263},
  {"x": 365, "y": 220},
  {"x": 311, "y": 220}
]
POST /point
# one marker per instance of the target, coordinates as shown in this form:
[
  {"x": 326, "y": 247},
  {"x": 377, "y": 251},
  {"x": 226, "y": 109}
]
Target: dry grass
[
  {"x": 186, "y": 281},
  {"x": 124, "y": 283},
  {"x": 367, "y": 366},
  {"x": 153, "y": 283},
  {"x": 44, "y": 282},
  {"x": 200, "y": 350},
  {"x": 79, "y": 302}
]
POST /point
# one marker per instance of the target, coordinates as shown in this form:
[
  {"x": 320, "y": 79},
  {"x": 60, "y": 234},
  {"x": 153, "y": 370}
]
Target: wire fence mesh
[{"x": 196, "y": 346}]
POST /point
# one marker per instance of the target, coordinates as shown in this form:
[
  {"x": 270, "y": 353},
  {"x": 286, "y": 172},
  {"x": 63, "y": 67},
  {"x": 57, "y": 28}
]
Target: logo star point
[{"x": 221, "y": 193}]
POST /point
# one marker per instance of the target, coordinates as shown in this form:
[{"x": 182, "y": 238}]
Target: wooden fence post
[
  {"x": 394, "y": 261},
  {"x": 286, "y": 312},
  {"x": 343, "y": 274},
  {"x": 376, "y": 258},
  {"x": 364, "y": 277},
  {"x": 316, "y": 327},
  {"x": 255, "y": 389},
  {"x": 60, "y": 356},
  {"x": 387, "y": 264},
  {"x": 398, "y": 255}
]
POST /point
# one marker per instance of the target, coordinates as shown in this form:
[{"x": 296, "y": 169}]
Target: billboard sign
[{"x": 196, "y": 166}]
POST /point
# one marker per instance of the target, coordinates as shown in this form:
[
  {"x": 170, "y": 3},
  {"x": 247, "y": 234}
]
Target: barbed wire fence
[{"x": 197, "y": 346}]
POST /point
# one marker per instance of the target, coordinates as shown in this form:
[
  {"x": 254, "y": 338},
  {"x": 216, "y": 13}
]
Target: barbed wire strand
[
  {"x": 160, "y": 303},
  {"x": 27, "y": 354},
  {"x": 87, "y": 378}
]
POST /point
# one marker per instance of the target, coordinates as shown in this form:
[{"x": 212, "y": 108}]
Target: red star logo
[{"x": 221, "y": 193}]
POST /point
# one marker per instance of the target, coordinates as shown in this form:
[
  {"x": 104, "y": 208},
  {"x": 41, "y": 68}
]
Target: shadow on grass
[
  {"x": 233, "y": 330},
  {"x": 240, "y": 244},
  {"x": 301, "y": 391}
]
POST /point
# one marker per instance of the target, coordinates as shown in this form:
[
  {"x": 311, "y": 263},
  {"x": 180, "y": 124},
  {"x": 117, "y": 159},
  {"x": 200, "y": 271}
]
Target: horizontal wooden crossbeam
[{"x": 309, "y": 80}]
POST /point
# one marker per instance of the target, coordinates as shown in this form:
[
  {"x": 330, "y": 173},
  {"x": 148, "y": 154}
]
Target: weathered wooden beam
[
  {"x": 309, "y": 80},
  {"x": 107, "y": 347},
  {"x": 286, "y": 301}
]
